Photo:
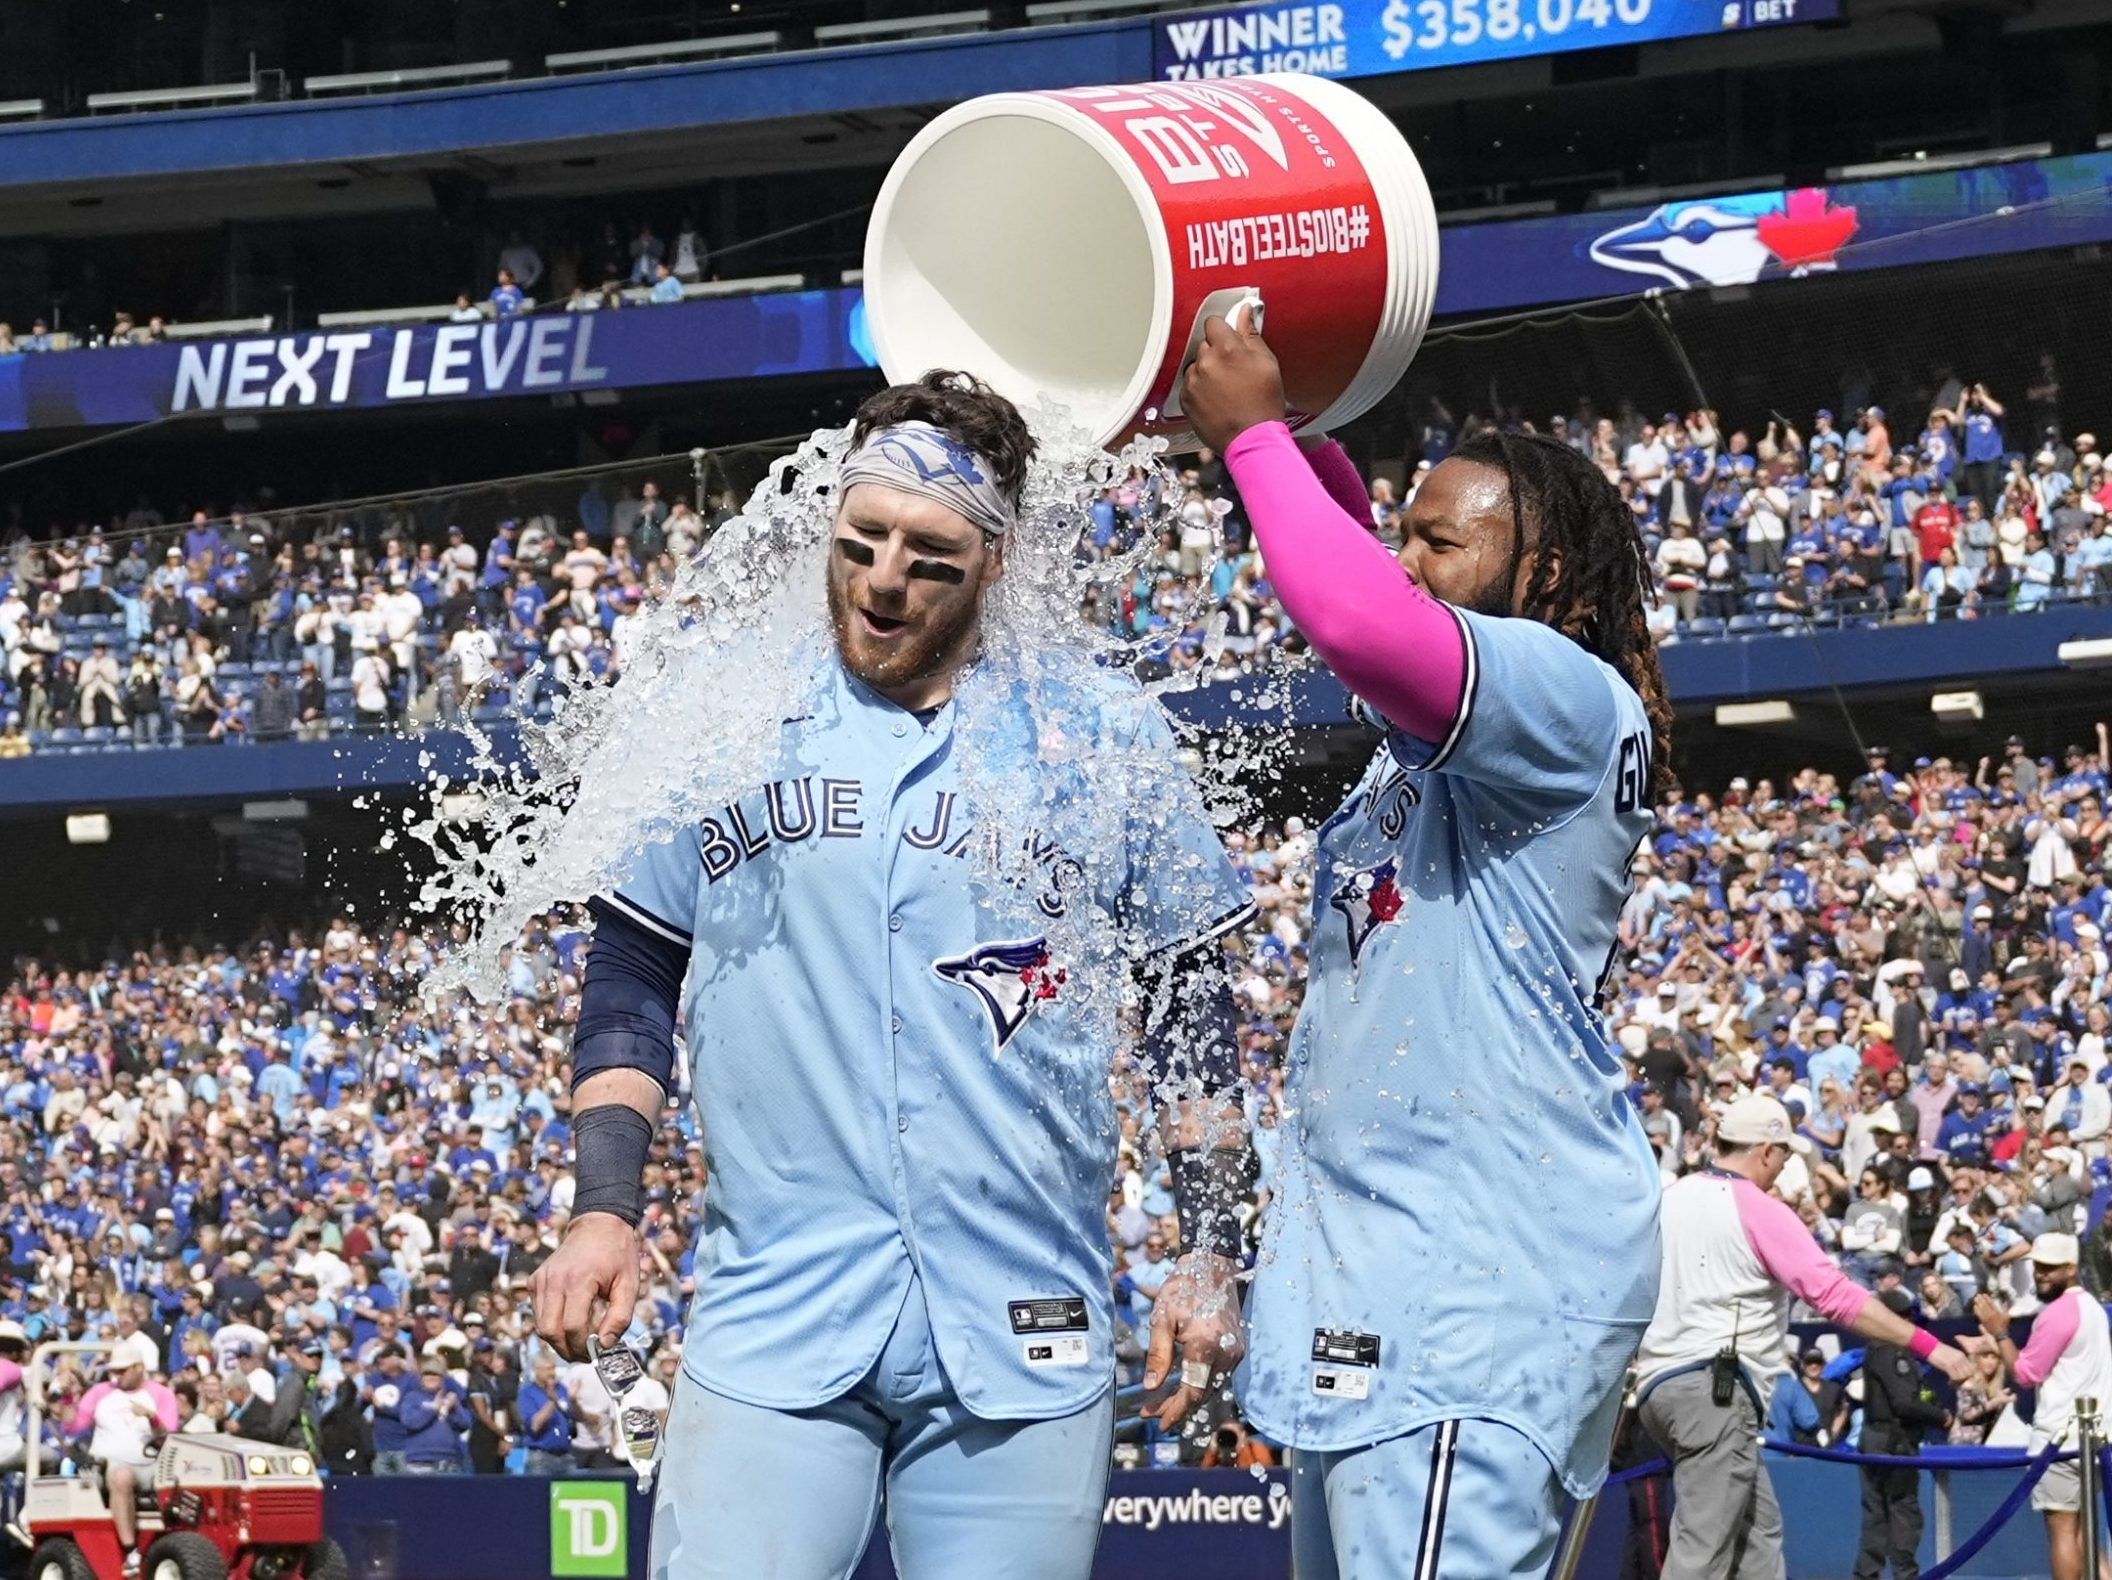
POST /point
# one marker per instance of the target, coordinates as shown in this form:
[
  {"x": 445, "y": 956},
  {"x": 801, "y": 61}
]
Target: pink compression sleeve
[
  {"x": 1793, "y": 1258},
  {"x": 1384, "y": 637},
  {"x": 2051, "y": 1333}
]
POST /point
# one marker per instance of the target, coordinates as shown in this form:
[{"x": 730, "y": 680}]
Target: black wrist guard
[
  {"x": 1208, "y": 1186},
  {"x": 609, "y": 1145}
]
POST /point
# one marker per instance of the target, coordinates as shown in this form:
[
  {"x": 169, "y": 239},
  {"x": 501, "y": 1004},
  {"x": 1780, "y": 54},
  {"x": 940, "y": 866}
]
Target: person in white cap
[
  {"x": 2068, "y": 1357},
  {"x": 125, "y": 1412},
  {"x": 1733, "y": 1256}
]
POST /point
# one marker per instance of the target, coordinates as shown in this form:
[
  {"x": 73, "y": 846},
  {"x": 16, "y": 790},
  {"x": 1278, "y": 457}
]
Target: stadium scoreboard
[{"x": 1370, "y": 38}]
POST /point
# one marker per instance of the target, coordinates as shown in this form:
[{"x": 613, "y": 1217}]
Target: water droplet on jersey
[{"x": 1514, "y": 935}]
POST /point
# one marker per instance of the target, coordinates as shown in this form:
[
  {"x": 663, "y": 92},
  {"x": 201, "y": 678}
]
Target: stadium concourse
[
  {"x": 227, "y": 1154},
  {"x": 263, "y": 626}
]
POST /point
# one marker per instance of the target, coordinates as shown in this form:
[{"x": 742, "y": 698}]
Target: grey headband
[{"x": 930, "y": 462}]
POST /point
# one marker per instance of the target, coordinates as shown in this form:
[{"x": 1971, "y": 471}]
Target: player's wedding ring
[{"x": 1195, "y": 1374}]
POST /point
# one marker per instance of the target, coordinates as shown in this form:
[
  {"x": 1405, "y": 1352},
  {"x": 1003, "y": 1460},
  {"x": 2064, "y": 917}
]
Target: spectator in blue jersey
[
  {"x": 544, "y": 1409},
  {"x": 507, "y": 298},
  {"x": 1979, "y": 416},
  {"x": 666, "y": 288},
  {"x": 1962, "y": 1138},
  {"x": 1939, "y": 446}
]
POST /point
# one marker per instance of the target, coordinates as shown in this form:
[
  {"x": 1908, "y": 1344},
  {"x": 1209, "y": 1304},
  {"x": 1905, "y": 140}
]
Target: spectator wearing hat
[
  {"x": 1962, "y": 1137},
  {"x": 2068, "y": 1357},
  {"x": 1733, "y": 1257},
  {"x": 121, "y": 1416},
  {"x": 433, "y": 1418}
]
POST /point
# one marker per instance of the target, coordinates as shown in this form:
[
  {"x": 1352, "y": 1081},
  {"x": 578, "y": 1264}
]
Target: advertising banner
[
  {"x": 546, "y": 353},
  {"x": 1752, "y": 237},
  {"x": 1371, "y": 38}
]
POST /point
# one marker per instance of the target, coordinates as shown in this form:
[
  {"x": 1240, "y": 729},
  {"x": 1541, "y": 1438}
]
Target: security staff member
[
  {"x": 1715, "y": 1347},
  {"x": 1895, "y": 1415}
]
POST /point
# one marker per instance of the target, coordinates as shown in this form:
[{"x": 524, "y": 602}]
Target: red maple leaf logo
[
  {"x": 1385, "y": 900},
  {"x": 1042, "y": 982},
  {"x": 1809, "y": 231}
]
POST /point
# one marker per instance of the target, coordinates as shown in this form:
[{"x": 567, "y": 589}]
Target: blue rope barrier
[
  {"x": 2034, "y": 1467},
  {"x": 1946, "y": 1458},
  {"x": 1939, "y": 1457},
  {"x": 1969, "y": 1549}
]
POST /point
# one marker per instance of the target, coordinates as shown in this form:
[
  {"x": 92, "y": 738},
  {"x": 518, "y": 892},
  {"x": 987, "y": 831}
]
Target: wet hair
[
  {"x": 1592, "y": 581},
  {"x": 964, "y": 406}
]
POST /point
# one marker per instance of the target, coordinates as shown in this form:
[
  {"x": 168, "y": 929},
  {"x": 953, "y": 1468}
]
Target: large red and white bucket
[{"x": 1071, "y": 244}]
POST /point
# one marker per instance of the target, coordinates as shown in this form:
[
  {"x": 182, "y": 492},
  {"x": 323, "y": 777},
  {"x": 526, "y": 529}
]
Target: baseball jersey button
[
  {"x": 894, "y": 924},
  {"x": 902, "y": 1123},
  {"x": 901, "y": 729},
  {"x": 895, "y": 1025}
]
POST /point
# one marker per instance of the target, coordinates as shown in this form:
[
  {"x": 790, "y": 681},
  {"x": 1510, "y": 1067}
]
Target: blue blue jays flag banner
[{"x": 1371, "y": 38}]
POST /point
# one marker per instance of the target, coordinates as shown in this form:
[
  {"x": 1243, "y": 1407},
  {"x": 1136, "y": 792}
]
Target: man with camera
[{"x": 1734, "y": 1255}]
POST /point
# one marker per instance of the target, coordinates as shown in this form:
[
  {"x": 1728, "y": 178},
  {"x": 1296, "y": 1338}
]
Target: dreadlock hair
[{"x": 1595, "y": 585}]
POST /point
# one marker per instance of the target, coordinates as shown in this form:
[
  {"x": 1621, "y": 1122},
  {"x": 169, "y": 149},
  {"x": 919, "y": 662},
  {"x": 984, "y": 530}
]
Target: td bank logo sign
[{"x": 590, "y": 1528}]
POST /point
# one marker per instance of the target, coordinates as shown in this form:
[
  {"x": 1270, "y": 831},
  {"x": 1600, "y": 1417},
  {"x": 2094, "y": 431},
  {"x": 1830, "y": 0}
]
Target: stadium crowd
[
  {"x": 589, "y": 269},
  {"x": 264, "y": 627},
  {"x": 311, "y": 1203}
]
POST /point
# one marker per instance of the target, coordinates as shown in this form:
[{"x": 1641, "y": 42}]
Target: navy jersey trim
[
  {"x": 646, "y": 919},
  {"x": 1217, "y": 929},
  {"x": 1467, "y": 689},
  {"x": 1435, "y": 1496}
]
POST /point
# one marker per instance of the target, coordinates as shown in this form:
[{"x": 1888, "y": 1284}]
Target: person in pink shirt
[
  {"x": 124, "y": 1413},
  {"x": 2068, "y": 1357}
]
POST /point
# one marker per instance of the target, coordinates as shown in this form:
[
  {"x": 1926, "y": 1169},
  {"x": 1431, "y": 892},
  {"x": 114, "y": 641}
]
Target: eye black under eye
[
  {"x": 936, "y": 571},
  {"x": 854, "y": 551}
]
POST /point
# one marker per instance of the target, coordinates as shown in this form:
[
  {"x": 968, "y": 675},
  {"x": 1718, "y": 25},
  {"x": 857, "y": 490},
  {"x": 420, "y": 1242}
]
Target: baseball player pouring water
[
  {"x": 903, "y": 1283},
  {"x": 1464, "y": 1247}
]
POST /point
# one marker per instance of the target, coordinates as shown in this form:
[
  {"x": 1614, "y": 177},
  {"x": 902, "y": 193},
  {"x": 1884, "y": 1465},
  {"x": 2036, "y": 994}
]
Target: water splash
[{"x": 1066, "y": 766}]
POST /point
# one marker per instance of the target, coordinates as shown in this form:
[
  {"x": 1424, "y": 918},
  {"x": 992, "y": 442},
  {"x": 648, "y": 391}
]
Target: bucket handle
[{"x": 1233, "y": 304}]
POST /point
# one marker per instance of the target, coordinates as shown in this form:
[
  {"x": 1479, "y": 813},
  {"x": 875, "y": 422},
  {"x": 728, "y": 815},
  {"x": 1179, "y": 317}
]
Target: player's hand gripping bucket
[{"x": 1071, "y": 244}]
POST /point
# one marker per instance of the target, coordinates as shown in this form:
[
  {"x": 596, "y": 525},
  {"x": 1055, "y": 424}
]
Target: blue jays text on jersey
[
  {"x": 1467, "y": 1217},
  {"x": 896, "y": 1072}
]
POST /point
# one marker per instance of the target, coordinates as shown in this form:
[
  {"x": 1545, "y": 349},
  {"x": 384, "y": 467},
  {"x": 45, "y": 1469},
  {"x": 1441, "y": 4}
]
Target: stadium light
[
  {"x": 1957, "y": 707},
  {"x": 87, "y": 828},
  {"x": 1753, "y": 715},
  {"x": 2093, "y": 653}
]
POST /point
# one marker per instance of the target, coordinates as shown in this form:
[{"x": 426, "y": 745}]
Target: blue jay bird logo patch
[
  {"x": 962, "y": 461},
  {"x": 1010, "y": 980},
  {"x": 1368, "y": 901}
]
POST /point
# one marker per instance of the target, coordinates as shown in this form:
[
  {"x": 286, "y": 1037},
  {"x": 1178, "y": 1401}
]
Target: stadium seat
[
  {"x": 1703, "y": 625},
  {"x": 1746, "y": 624}
]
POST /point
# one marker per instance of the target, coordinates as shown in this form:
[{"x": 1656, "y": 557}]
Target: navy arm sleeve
[
  {"x": 628, "y": 1002},
  {"x": 1189, "y": 1041}
]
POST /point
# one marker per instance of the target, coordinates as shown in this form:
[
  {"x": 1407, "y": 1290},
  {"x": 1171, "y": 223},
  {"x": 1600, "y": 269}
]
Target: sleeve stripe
[
  {"x": 1467, "y": 689},
  {"x": 1217, "y": 929},
  {"x": 645, "y": 918}
]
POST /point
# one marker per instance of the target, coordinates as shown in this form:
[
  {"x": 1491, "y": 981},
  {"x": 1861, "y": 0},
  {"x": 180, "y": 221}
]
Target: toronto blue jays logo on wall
[
  {"x": 1010, "y": 980},
  {"x": 1732, "y": 240},
  {"x": 1368, "y": 901}
]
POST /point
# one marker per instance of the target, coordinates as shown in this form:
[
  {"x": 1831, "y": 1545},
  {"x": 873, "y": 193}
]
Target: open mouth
[{"x": 879, "y": 624}]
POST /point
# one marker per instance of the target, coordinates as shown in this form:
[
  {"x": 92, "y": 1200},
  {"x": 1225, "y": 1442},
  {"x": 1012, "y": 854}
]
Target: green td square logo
[{"x": 590, "y": 1528}]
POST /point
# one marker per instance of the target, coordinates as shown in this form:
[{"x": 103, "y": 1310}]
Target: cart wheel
[
  {"x": 184, "y": 1555},
  {"x": 325, "y": 1561},
  {"x": 57, "y": 1558}
]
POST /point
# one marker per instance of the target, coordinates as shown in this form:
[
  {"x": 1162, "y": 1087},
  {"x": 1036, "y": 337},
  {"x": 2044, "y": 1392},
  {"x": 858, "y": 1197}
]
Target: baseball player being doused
[{"x": 903, "y": 1281}]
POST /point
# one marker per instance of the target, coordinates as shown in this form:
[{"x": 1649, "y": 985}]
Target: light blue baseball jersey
[
  {"x": 1468, "y": 1217},
  {"x": 893, "y": 1074}
]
